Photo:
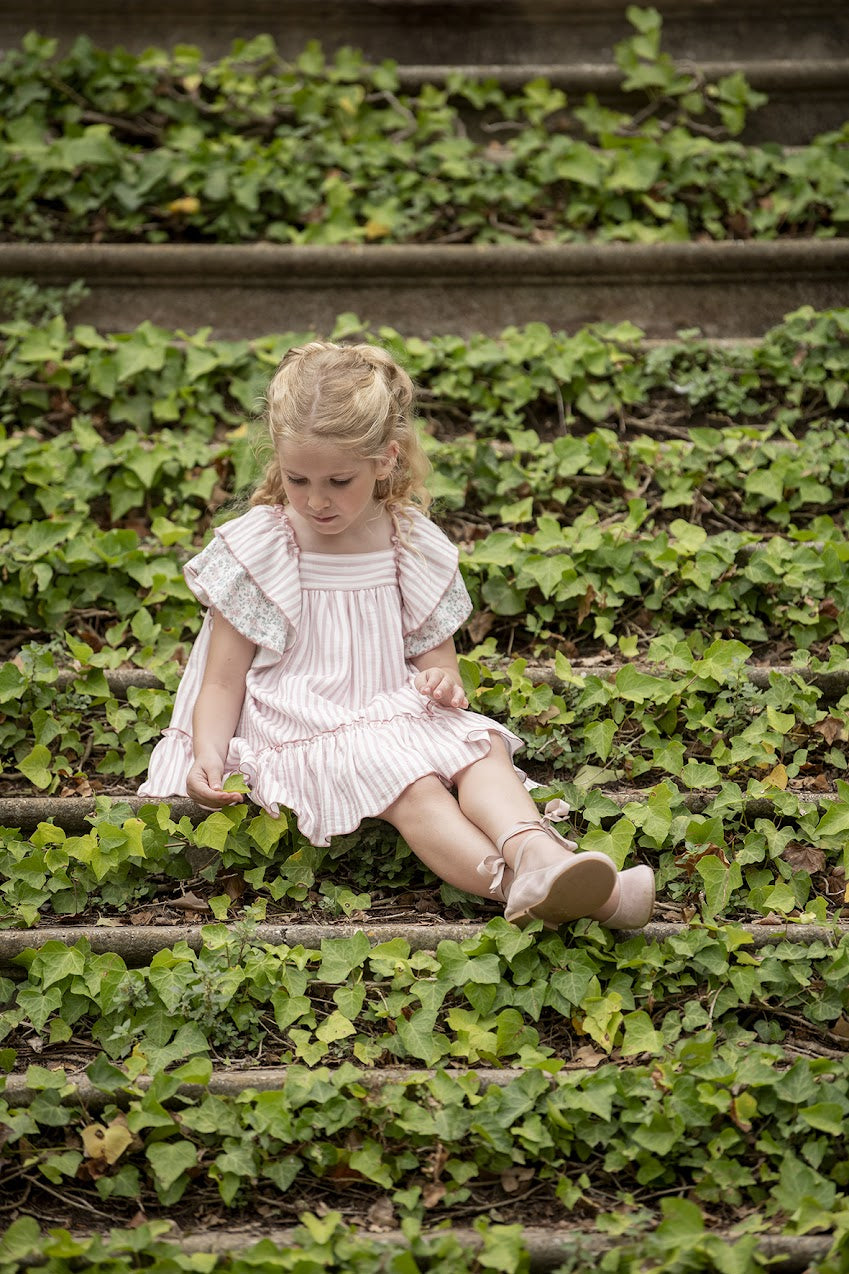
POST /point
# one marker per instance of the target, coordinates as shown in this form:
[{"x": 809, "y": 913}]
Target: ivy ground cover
[
  {"x": 100, "y": 145},
  {"x": 640, "y": 525}
]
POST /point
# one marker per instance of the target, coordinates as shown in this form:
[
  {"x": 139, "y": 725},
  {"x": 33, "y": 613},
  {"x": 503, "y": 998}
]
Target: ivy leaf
[
  {"x": 340, "y": 956},
  {"x": 835, "y": 820},
  {"x": 459, "y": 968},
  {"x": 502, "y": 597},
  {"x": 419, "y": 1039},
  {"x": 599, "y": 736},
  {"x": 826, "y": 1116},
  {"x": 169, "y": 1160},
  {"x": 616, "y": 843},
  {"x": 35, "y": 766},
  {"x": 106, "y": 1142},
  {"x": 335, "y": 1027},
  {"x": 11, "y": 682},
  {"x": 639, "y": 1035}
]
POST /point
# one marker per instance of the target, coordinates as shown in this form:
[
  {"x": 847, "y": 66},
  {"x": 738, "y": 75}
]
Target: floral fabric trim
[
  {"x": 223, "y": 583},
  {"x": 454, "y": 607}
]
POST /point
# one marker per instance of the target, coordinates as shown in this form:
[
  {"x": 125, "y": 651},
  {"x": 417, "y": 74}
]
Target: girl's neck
[{"x": 372, "y": 536}]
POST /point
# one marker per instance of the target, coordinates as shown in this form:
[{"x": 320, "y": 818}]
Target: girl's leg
[
  {"x": 493, "y": 797},
  {"x": 544, "y": 877},
  {"x": 438, "y": 832}
]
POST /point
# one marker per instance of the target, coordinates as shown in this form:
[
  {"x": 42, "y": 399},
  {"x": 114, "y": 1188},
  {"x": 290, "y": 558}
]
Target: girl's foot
[
  {"x": 631, "y": 901},
  {"x": 550, "y": 881}
]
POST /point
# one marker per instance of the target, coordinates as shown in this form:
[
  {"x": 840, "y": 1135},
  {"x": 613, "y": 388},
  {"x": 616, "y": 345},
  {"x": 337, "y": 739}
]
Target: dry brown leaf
[
  {"x": 381, "y": 1215},
  {"x": 438, "y": 1160},
  {"x": 142, "y": 917},
  {"x": 190, "y": 902},
  {"x": 497, "y": 151},
  {"x": 512, "y": 1179},
  {"x": 433, "y": 1194},
  {"x": 480, "y": 625},
  {"x": 588, "y": 1056},
  {"x": 803, "y": 857},
  {"x": 232, "y": 884},
  {"x": 688, "y": 861},
  {"x": 585, "y": 605},
  {"x": 830, "y": 729}
]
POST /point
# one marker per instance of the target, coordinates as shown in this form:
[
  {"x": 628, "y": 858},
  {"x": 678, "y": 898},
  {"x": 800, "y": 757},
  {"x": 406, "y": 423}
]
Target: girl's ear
[{"x": 387, "y": 463}]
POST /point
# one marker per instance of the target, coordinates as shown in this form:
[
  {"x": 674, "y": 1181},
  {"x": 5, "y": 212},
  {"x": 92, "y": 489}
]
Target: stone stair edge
[
  {"x": 547, "y": 1248},
  {"x": 502, "y": 28},
  {"x": 834, "y": 682},
  {"x": 726, "y": 289},
  {"x": 137, "y": 944},
  {"x": 233, "y": 1081},
  {"x": 72, "y": 812},
  {"x": 284, "y": 261}
]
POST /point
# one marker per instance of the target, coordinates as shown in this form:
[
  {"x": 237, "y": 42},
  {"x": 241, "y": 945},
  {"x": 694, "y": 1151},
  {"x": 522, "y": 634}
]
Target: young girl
[{"x": 325, "y": 670}]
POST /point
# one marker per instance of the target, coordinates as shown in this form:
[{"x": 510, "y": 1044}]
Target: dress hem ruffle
[{"x": 277, "y": 775}]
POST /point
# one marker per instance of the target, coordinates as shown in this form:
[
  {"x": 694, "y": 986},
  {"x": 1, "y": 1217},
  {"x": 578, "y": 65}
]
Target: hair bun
[{"x": 396, "y": 379}]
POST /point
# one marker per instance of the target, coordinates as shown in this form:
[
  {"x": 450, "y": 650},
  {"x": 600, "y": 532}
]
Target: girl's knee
[
  {"x": 498, "y": 758},
  {"x": 420, "y": 796}
]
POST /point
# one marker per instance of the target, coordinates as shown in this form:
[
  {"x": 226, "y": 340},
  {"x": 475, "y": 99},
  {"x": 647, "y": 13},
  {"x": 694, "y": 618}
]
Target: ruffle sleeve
[
  {"x": 249, "y": 573},
  {"x": 434, "y": 600}
]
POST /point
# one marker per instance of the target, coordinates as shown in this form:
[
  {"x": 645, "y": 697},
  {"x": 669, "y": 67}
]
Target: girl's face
[{"x": 332, "y": 488}]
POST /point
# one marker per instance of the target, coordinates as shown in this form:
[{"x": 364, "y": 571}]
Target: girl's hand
[
  {"x": 442, "y": 686},
  {"x": 204, "y": 785}
]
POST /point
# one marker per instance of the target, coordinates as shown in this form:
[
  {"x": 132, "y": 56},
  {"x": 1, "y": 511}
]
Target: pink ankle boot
[
  {"x": 571, "y": 886},
  {"x": 631, "y": 900}
]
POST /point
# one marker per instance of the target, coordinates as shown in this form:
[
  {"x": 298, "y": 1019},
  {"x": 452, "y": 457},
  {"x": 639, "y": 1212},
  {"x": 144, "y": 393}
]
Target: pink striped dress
[{"x": 332, "y": 726}]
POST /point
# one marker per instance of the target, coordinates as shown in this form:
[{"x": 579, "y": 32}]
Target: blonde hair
[{"x": 355, "y": 397}]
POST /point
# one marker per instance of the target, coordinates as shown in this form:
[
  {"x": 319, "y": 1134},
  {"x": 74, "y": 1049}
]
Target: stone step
[
  {"x": 797, "y": 57},
  {"x": 727, "y": 289},
  {"x": 72, "y": 813},
  {"x": 548, "y": 1248},
  {"x": 448, "y": 31},
  {"x": 805, "y": 98},
  {"x": 231, "y": 1082},
  {"x": 138, "y": 944},
  {"x": 833, "y": 682}
]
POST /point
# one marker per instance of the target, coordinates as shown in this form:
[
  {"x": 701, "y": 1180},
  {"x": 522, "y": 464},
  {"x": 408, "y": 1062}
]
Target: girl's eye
[
  {"x": 340, "y": 482},
  {"x": 296, "y": 482}
]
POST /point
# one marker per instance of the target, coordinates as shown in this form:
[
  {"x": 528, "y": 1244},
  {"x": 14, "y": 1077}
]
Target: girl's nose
[{"x": 317, "y": 501}]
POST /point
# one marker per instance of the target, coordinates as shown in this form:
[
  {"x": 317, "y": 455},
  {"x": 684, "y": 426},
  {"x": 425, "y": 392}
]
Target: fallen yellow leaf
[
  {"x": 777, "y": 777},
  {"x": 187, "y": 204},
  {"x": 375, "y": 229},
  {"x": 107, "y": 1143}
]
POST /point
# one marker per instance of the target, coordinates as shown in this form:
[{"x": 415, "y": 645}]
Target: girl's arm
[
  {"x": 438, "y": 676},
  {"x": 217, "y": 710}
]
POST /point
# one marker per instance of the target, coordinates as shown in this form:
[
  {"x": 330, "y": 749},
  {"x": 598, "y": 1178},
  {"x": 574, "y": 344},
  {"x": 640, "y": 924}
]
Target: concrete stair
[{"x": 797, "y": 53}]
